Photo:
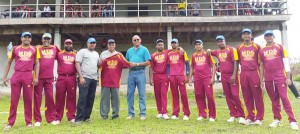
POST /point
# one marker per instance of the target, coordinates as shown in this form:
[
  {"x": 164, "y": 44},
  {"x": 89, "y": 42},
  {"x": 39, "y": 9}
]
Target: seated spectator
[
  {"x": 24, "y": 9},
  {"x": 77, "y": 8},
  {"x": 258, "y": 7},
  {"x": 96, "y": 9},
  {"x": 46, "y": 11},
  {"x": 230, "y": 8},
  {"x": 240, "y": 6},
  {"x": 182, "y": 7},
  {"x": 216, "y": 7},
  {"x": 248, "y": 8},
  {"x": 267, "y": 9},
  {"x": 107, "y": 10},
  {"x": 5, "y": 13},
  {"x": 275, "y": 5},
  {"x": 196, "y": 8},
  {"x": 68, "y": 7},
  {"x": 172, "y": 7}
]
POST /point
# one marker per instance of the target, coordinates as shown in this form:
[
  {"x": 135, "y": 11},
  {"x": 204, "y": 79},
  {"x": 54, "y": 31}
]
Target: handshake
[{"x": 132, "y": 64}]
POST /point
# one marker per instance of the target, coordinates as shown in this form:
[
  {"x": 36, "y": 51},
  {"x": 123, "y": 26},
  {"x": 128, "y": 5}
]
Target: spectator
[
  {"x": 267, "y": 8},
  {"x": 172, "y": 7},
  {"x": 107, "y": 11},
  {"x": 67, "y": 8},
  {"x": 77, "y": 9},
  {"x": 240, "y": 6},
  {"x": 196, "y": 8},
  {"x": 230, "y": 7},
  {"x": 258, "y": 7},
  {"x": 216, "y": 7},
  {"x": 96, "y": 9},
  {"x": 182, "y": 7},
  {"x": 275, "y": 5},
  {"x": 46, "y": 11},
  {"x": 292, "y": 87},
  {"x": 248, "y": 8},
  {"x": 24, "y": 9}
]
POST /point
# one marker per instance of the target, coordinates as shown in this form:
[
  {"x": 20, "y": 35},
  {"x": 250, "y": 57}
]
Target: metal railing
[{"x": 138, "y": 9}]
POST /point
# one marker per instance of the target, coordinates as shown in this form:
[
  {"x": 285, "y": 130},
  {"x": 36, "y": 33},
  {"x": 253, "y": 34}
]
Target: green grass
[{"x": 152, "y": 125}]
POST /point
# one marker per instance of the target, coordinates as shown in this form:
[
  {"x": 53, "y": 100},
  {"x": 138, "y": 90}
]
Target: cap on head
[
  {"x": 47, "y": 35},
  {"x": 247, "y": 30},
  {"x": 174, "y": 40},
  {"x": 91, "y": 40},
  {"x": 198, "y": 41},
  {"x": 26, "y": 33},
  {"x": 220, "y": 37},
  {"x": 159, "y": 40},
  {"x": 68, "y": 41},
  {"x": 111, "y": 41},
  {"x": 268, "y": 32}
]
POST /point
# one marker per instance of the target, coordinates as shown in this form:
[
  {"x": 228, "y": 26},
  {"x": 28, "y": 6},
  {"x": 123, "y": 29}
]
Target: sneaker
[
  {"x": 58, "y": 122},
  {"x": 104, "y": 117},
  {"x": 115, "y": 117},
  {"x": 129, "y": 117},
  {"x": 29, "y": 125},
  {"x": 37, "y": 124},
  {"x": 257, "y": 122},
  {"x": 212, "y": 119},
  {"x": 231, "y": 119},
  {"x": 88, "y": 121},
  {"x": 248, "y": 122},
  {"x": 185, "y": 117},
  {"x": 165, "y": 116},
  {"x": 298, "y": 97},
  {"x": 77, "y": 123},
  {"x": 7, "y": 127},
  {"x": 174, "y": 117},
  {"x": 143, "y": 117},
  {"x": 275, "y": 123},
  {"x": 200, "y": 118},
  {"x": 294, "y": 126},
  {"x": 242, "y": 120},
  {"x": 72, "y": 121},
  {"x": 159, "y": 116},
  {"x": 54, "y": 122}
]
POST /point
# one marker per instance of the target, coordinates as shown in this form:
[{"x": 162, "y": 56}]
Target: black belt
[{"x": 135, "y": 69}]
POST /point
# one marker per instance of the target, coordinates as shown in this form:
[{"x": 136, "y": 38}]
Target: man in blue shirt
[{"x": 139, "y": 57}]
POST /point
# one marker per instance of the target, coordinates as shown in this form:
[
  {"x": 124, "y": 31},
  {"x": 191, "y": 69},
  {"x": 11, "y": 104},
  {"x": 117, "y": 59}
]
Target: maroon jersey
[
  {"x": 271, "y": 56},
  {"x": 248, "y": 56},
  {"x": 159, "y": 62},
  {"x": 176, "y": 60},
  {"x": 111, "y": 70},
  {"x": 24, "y": 57},
  {"x": 202, "y": 63},
  {"x": 48, "y": 56},
  {"x": 66, "y": 63},
  {"x": 226, "y": 59}
]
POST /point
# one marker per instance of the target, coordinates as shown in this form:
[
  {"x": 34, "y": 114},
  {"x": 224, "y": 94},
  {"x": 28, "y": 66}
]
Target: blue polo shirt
[{"x": 138, "y": 55}]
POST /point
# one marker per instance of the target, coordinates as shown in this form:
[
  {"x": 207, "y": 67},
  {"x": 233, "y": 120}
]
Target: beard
[{"x": 68, "y": 49}]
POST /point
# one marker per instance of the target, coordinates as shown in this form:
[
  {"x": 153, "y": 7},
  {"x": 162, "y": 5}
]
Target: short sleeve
[
  {"x": 11, "y": 54},
  {"x": 234, "y": 54},
  {"x": 124, "y": 61},
  {"x": 214, "y": 53},
  {"x": 79, "y": 56},
  {"x": 147, "y": 55},
  {"x": 38, "y": 54},
  {"x": 186, "y": 58},
  {"x": 128, "y": 55},
  {"x": 285, "y": 53}
]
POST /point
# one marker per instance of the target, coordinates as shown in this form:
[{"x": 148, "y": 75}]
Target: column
[
  {"x": 57, "y": 8},
  {"x": 284, "y": 40},
  {"x": 169, "y": 36}
]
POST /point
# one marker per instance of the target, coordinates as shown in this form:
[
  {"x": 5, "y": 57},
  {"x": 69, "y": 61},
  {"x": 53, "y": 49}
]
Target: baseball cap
[
  {"x": 174, "y": 40},
  {"x": 159, "y": 40},
  {"x": 110, "y": 41},
  {"x": 247, "y": 30},
  {"x": 268, "y": 32},
  {"x": 46, "y": 35},
  {"x": 220, "y": 37},
  {"x": 90, "y": 40},
  {"x": 198, "y": 41},
  {"x": 68, "y": 41},
  {"x": 26, "y": 33}
]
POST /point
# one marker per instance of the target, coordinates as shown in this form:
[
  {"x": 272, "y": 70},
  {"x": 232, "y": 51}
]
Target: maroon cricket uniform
[
  {"x": 160, "y": 80},
  {"x": 250, "y": 82},
  {"x": 275, "y": 79},
  {"x": 48, "y": 56},
  {"x": 177, "y": 60},
  {"x": 202, "y": 64},
  {"x": 226, "y": 59},
  {"x": 66, "y": 85},
  {"x": 22, "y": 78}
]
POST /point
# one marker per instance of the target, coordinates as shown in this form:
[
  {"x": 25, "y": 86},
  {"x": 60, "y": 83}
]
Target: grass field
[{"x": 152, "y": 125}]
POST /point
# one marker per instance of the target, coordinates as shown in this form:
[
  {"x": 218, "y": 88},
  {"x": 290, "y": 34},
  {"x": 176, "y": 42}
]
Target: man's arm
[
  {"x": 37, "y": 71},
  {"x": 6, "y": 70},
  {"x": 233, "y": 77},
  {"x": 191, "y": 75},
  {"x": 261, "y": 76},
  {"x": 213, "y": 69},
  {"x": 151, "y": 76}
]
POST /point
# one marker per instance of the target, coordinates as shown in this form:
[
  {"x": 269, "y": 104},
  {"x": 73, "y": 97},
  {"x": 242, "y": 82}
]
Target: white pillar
[
  {"x": 57, "y": 37},
  {"x": 57, "y": 8},
  {"x": 284, "y": 40},
  {"x": 169, "y": 36}
]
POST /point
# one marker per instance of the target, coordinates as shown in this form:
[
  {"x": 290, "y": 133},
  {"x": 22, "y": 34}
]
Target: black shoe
[
  {"x": 115, "y": 117},
  {"x": 88, "y": 120},
  {"x": 104, "y": 117}
]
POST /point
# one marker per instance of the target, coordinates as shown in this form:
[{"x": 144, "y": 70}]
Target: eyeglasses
[
  {"x": 92, "y": 42},
  {"x": 136, "y": 40}
]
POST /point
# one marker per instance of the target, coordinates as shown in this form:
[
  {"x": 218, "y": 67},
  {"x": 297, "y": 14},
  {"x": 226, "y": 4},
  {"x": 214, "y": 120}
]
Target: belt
[
  {"x": 135, "y": 69},
  {"x": 67, "y": 74}
]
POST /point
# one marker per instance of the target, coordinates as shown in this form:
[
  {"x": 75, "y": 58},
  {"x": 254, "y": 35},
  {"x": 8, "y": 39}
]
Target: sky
[{"x": 293, "y": 29}]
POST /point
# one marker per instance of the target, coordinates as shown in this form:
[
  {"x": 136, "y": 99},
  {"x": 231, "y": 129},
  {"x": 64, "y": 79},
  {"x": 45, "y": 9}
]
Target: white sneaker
[
  {"x": 129, "y": 117},
  {"x": 200, "y": 118},
  {"x": 159, "y": 116},
  {"x": 143, "y": 117},
  {"x": 37, "y": 124},
  {"x": 275, "y": 123},
  {"x": 257, "y": 122},
  {"x": 185, "y": 117},
  {"x": 242, "y": 120},
  {"x": 58, "y": 122},
  {"x": 212, "y": 119},
  {"x": 174, "y": 117},
  {"x": 165, "y": 116},
  {"x": 29, "y": 125},
  {"x": 231, "y": 119},
  {"x": 54, "y": 122},
  {"x": 294, "y": 126},
  {"x": 72, "y": 121},
  {"x": 7, "y": 127},
  {"x": 248, "y": 122}
]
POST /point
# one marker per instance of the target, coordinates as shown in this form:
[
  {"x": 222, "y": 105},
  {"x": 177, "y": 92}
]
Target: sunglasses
[
  {"x": 92, "y": 42},
  {"x": 46, "y": 38},
  {"x": 136, "y": 40}
]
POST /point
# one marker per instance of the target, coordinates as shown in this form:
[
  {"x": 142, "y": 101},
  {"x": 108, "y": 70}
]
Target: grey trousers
[{"x": 108, "y": 94}]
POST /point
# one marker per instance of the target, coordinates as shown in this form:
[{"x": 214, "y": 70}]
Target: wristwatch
[{"x": 137, "y": 64}]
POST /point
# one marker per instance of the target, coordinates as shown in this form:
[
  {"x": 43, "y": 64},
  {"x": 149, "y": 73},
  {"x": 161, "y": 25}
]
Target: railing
[{"x": 145, "y": 9}]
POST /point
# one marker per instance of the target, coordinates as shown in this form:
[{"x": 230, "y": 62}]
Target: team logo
[
  {"x": 47, "y": 53},
  {"x": 68, "y": 59},
  {"x": 174, "y": 59},
  {"x": 160, "y": 58},
  {"x": 200, "y": 60},
  {"x": 270, "y": 54},
  {"x": 223, "y": 56},
  {"x": 112, "y": 64},
  {"x": 248, "y": 55},
  {"x": 24, "y": 55}
]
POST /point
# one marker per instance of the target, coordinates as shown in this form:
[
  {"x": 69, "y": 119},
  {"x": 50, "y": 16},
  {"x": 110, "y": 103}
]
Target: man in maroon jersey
[
  {"x": 275, "y": 71},
  {"x": 66, "y": 82},
  {"x": 203, "y": 71},
  {"x": 228, "y": 59},
  {"x": 25, "y": 57},
  {"x": 250, "y": 82},
  {"x": 46, "y": 77}
]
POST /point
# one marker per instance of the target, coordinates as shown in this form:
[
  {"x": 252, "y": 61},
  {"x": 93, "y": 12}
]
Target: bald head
[{"x": 136, "y": 40}]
